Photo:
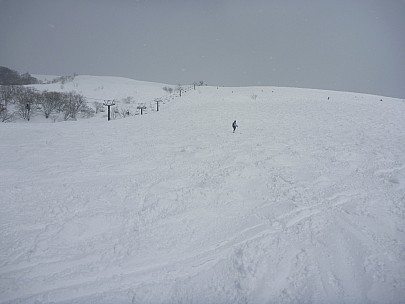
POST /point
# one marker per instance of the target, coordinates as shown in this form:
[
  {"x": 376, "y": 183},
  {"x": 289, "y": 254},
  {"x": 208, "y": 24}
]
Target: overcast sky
[{"x": 349, "y": 45}]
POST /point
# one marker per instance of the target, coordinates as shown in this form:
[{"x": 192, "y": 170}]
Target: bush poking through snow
[{"x": 124, "y": 112}]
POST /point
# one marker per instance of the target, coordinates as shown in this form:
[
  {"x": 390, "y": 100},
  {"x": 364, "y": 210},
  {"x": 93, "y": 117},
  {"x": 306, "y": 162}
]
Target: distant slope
[
  {"x": 103, "y": 87},
  {"x": 45, "y": 78}
]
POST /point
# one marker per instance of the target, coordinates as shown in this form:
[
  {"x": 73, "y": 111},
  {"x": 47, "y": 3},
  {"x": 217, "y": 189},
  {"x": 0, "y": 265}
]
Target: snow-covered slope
[
  {"x": 126, "y": 94},
  {"x": 304, "y": 203},
  {"x": 103, "y": 87}
]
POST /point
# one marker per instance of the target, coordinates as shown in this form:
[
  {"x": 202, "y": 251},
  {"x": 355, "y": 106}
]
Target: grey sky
[{"x": 349, "y": 45}]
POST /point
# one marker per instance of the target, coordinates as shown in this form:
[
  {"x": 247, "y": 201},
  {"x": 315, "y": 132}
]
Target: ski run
[{"x": 304, "y": 203}]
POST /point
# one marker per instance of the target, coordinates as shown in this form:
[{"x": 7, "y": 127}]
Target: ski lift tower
[{"x": 108, "y": 104}]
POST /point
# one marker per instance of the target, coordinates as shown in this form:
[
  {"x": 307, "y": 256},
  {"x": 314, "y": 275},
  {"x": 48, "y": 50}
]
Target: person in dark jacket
[{"x": 234, "y": 126}]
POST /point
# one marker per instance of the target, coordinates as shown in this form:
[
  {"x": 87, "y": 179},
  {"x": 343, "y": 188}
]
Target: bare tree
[
  {"x": 6, "y": 94},
  {"x": 25, "y": 99},
  {"x": 98, "y": 107},
  {"x": 5, "y": 116},
  {"x": 11, "y": 77},
  {"x": 73, "y": 103},
  {"x": 115, "y": 112},
  {"x": 64, "y": 79},
  {"x": 50, "y": 102},
  {"x": 87, "y": 111}
]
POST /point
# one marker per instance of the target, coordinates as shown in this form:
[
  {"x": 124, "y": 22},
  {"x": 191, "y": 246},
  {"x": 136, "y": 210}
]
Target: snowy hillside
[
  {"x": 102, "y": 87},
  {"x": 44, "y": 78},
  {"x": 126, "y": 94},
  {"x": 304, "y": 203}
]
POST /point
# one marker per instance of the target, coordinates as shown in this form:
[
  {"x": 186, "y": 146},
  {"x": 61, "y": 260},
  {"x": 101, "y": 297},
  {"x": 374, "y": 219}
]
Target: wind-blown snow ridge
[{"x": 305, "y": 203}]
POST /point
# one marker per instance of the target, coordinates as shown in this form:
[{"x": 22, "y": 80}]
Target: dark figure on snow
[{"x": 234, "y": 126}]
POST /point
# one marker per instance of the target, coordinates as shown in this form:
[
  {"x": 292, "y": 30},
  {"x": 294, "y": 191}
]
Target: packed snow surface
[{"x": 304, "y": 203}]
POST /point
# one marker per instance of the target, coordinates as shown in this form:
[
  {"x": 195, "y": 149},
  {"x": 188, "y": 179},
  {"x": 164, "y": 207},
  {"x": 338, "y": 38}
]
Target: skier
[{"x": 234, "y": 126}]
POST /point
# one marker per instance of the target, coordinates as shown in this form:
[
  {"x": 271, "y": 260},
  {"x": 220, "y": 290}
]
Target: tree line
[
  {"x": 20, "y": 101},
  {"x": 11, "y": 77}
]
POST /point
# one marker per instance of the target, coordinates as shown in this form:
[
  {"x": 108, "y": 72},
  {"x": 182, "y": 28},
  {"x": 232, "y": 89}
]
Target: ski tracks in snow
[{"x": 303, "y": 204}]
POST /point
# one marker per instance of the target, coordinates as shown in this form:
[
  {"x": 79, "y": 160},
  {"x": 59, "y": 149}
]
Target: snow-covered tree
[
  {"x": 6, "y": 94},
  {"x": 25, "y": 98},
  {"x": 5, "y": 115},
  {"x": 73, "y": 103},
  {"x": 50, "y": 102}
]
